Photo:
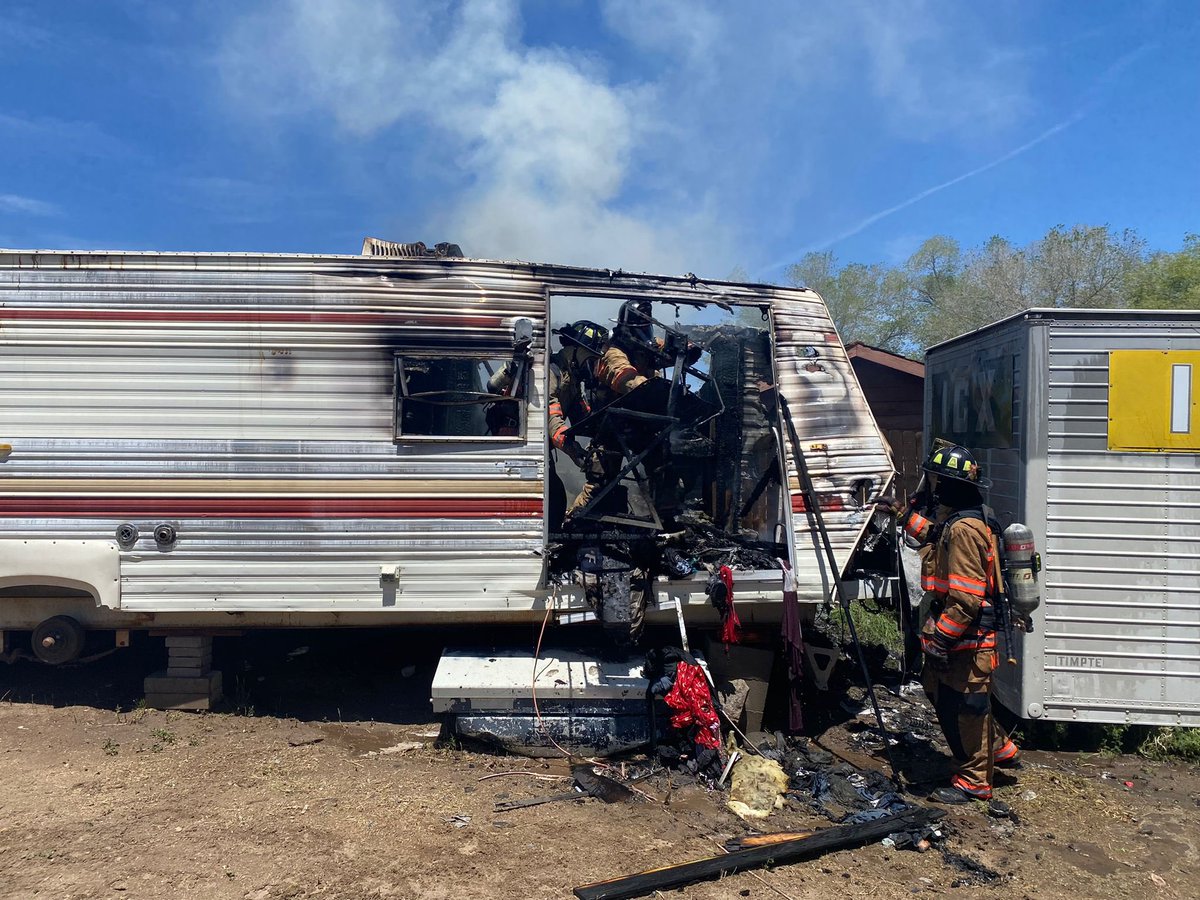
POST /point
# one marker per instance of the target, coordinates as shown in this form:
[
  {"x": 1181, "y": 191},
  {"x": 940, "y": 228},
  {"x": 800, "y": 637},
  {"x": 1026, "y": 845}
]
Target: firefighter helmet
[
  {"x": 956, "y": 462},
  {"x": 635, "y": 325},
  {"x": 588, "y": 335}
]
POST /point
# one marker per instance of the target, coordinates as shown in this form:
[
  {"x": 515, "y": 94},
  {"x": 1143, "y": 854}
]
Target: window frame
[{"x": 489, "y": 355}]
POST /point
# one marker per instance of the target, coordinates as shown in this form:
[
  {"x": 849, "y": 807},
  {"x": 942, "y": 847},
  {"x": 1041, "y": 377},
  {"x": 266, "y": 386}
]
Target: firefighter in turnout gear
[
  {"x": 958, "y": 638},
  {"x": 632, "y": 357},
  {"x": 570, "y": 378},
  {"x": 627, "y": 361},
  {"x": 572, "y": 373}
]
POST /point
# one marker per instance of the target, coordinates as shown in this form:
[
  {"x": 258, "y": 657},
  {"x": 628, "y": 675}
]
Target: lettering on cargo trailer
[
  {"x": 973, "y": 403},
  {"x": 1079, "y": 662}
]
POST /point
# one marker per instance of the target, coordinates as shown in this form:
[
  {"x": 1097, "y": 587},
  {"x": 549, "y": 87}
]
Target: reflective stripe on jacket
[{"x": 617, "y": 372}]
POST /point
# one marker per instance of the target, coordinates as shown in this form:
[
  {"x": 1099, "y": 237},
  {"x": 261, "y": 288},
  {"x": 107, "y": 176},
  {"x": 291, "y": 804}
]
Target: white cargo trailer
[
  {"x": 225, "y": 441},
  {"x": 1088, "y": 422}
]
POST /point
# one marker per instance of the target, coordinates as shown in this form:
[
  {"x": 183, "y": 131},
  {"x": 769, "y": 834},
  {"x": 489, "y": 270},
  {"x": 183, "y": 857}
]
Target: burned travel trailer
[{"x": 205, "y": 443}]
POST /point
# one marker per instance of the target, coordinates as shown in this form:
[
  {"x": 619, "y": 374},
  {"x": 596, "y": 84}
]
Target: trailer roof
[
  {"x": 21, "y": 258},
  {"x": 1052, "y": 314}
]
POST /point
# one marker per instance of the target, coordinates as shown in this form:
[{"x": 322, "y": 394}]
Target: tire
[{"x": 58, "y": 640}]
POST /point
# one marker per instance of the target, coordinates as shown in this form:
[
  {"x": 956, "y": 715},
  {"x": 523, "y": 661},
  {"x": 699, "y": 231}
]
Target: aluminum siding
[
  {"x": 1122, "y": 580},
  {"x": 1117, "y": 638},
  {"x": 247, "y": 400}
]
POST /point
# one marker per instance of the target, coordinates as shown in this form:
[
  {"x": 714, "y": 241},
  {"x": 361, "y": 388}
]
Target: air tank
[{"x": 1021, "y": 565}]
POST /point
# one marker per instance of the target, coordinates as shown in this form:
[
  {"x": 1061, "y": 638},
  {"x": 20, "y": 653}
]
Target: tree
[
  {"x": 943, "y": 291},
  {"x": 868, "y": 303},
  {"x": 1169, "y": 280},
  {"x": 1084, "y": 267}
]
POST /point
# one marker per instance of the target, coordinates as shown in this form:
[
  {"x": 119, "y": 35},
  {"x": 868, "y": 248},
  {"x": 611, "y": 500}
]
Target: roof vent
[{"x": 376, "y": 247}]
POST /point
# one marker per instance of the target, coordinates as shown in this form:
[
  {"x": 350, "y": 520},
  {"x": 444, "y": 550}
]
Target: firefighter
[
  {"x": 632, "y": 357},
  {"x": 628, "y": 360},
  {"x": 959, "y": 636},
  {"x": 571, "y": 375}
]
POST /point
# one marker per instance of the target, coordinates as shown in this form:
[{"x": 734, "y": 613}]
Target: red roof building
[{"x": 895, "y": 389}]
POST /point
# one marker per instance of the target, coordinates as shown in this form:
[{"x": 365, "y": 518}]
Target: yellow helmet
[{"x": 957, "y": 462}]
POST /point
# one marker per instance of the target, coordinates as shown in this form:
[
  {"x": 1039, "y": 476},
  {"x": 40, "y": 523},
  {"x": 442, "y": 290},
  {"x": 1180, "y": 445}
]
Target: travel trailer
[{"x": 198, "y": 442}]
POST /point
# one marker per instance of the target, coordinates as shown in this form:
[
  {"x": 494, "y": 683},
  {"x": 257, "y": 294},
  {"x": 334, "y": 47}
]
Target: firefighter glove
[
  {"x": 887, "y": 503},
  {"x": 937, "y": 652},
  {"x": 574, "y": 451}
]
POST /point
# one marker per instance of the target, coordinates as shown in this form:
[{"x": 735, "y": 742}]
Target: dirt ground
[{"x": 296, "y": 793}]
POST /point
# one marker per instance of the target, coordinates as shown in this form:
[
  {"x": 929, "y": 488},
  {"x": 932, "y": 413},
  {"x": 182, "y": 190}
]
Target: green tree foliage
[
  {"x": 942, "y": 291},
  {"x": 1169, "y": 280},
  {"x": 869, "y": 303}
]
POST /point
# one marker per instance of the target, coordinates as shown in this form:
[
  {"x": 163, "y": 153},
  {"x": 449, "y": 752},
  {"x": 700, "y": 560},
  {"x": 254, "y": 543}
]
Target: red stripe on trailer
[
  {"x": 268, "y": 508},
  {"x": 827, "y": 502},
  {"x": 239, "y": 317}
]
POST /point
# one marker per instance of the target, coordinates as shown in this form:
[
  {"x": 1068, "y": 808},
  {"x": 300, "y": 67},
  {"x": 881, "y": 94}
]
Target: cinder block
[
  {"x": 166, "y": 691},
  {"x": 190, "y": 662},
  {"x": 189, "y": 640},
  {"x": 180, "y": 701},
  {"x": 188, "y": 653},
  {"x": 187, "y": 671},
  {"x": 169, "y": 684}
]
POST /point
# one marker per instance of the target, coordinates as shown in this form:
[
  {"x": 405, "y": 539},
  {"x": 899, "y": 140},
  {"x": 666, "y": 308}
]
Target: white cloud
[
  {"x": 554, "y": 146},
  {"x": 686, "y": 29},
  {"x": 545, "y": 138},
  {"x": 14, "y": 203},
  {"x": 16, "y": 30},
  {"x": 935, "y": 73}
]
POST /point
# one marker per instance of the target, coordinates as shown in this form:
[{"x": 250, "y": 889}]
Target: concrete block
[
  {"x": 188, "y": 653},
  {"x": 169, "y": 684},
  {"x": 187, "y": 671},
  {"x": 166, "y": 691},
  {"x": 180, "y": 701},
  {"x": 189, "y": 640},
  {"x": 183, "y": 659}
]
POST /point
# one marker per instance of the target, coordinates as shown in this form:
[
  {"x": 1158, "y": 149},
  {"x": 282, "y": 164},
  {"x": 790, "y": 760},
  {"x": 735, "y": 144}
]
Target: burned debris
[{"x": 828, "y": 840}]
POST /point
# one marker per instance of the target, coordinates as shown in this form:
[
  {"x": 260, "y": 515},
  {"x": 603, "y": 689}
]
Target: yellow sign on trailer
[{"x": 1154, "y": 400}]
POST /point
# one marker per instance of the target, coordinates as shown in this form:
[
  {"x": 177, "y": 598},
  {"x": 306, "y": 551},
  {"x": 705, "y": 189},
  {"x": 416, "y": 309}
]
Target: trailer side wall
[{"x": 247, "y": 401}]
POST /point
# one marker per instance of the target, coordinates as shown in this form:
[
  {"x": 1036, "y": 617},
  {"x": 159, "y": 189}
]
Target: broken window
[{"x": 460, "y": 395}]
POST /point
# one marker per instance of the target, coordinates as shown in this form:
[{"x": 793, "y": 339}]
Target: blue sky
[{"x": 656, "y": 135}]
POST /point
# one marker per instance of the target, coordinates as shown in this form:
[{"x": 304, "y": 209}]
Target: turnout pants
[{"x": 961, "y": 696}]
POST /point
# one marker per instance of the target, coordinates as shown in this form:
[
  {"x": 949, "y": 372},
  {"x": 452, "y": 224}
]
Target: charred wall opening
[{"x": 664, "y": 459}]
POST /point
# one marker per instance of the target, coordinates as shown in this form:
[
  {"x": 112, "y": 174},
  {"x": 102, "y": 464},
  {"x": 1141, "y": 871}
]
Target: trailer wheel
[{"x": 58, "y": 640}]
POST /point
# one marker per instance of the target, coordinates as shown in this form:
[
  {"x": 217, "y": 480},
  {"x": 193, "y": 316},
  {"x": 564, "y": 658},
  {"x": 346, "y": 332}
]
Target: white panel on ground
[{"x": 495, "y": 678}]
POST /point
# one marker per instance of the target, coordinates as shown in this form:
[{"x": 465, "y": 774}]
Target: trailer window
[{"x": 459, "y": 396}]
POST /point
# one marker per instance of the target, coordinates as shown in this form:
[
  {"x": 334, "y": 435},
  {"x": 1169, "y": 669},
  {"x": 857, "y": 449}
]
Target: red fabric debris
[
  {"x": 691, "y": 696},
  {"x": 731, "y": 625}
]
